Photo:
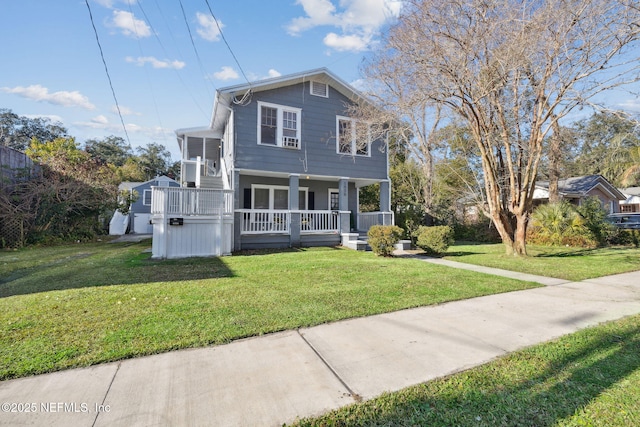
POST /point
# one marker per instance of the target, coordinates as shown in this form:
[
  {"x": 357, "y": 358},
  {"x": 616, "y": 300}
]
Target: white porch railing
[
  {"x": 261, "y": 221},
  {"x": 182, "y": 201},
  {"x": 319, "y": 221}
]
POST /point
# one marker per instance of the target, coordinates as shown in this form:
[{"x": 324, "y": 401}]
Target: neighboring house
[
  {"x": 576, "y": 189},
  {"x": 632, "y": 202},
  {"x": 278, "y": 166},
  {"x": 139, "y": 218}
]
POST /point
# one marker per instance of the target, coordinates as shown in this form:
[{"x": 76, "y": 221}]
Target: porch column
[
  {"x": 343, "y": 205},
  {"x": 237, "y": 216},
  {"x": 294, "y": 206},
  {"x": 385, "y": 201}
]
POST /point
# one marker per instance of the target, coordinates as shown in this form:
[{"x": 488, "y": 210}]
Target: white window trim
[
  {"x": 280, "y": 122},
  {"x": 326, "y": 89},
  {"x": 144, "y": 197},
  {"x": 354, "y": 147},
  {"x": 271, "y": 189}
]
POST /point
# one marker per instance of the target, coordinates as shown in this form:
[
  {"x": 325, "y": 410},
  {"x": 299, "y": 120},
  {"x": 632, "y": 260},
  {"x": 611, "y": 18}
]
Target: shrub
[
  {"x": 382, "y": 238},
  {"x": 434, "y": 240},
  {"x": 557, "y": 224},
  {"x": 595, "y": 219},
  {"x": 624, "y": 237}
]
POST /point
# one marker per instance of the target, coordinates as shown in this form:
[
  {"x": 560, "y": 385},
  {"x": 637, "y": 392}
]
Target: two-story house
[{"x": 278, "y": 166}]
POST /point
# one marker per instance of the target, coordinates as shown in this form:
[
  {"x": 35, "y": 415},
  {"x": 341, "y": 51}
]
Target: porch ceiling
[{"x": 359, "y": 182}]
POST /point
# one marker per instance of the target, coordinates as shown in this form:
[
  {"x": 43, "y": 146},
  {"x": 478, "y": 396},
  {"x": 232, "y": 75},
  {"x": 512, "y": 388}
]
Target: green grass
[
  {"x": 83, "y": 304},
  {"x": 590, "y": 378},
  {"x": 562, "y": 262}
]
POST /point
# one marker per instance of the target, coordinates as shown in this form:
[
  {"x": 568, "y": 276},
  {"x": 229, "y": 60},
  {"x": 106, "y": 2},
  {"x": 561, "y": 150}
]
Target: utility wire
[
  {"x": 227, "y": 43},
  {"x": 186, "y": 21},
  {"x": 106, "y": 69}
]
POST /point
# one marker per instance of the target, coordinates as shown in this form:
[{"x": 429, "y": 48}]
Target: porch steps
[
  {"x": 359, "y": 242},
  {"x": 214, "y": 182},
  {"x": 356, "y": 241}
]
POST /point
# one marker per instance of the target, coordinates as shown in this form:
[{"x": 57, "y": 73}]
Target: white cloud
[
  {"x": 100, "y": 120},
  {"x": 353, "y": 43},
  {"x": 227, "y": 73},
  {"x": 41, "y": 94},
  {"x": 130, "y": 25},
  {"x": 319, "y": 12},
  {"x": 630, "y": 104},
  {"x": 358, "y": 20},
  {"x": 155, "y": 63},
  {"x": 270, "y": 74},
  {"x": 208, "y": 29}
]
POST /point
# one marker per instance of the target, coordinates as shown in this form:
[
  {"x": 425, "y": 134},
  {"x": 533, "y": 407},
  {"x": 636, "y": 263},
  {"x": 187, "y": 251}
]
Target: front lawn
[
  {"x": 84, "y": 304},
  {"x": 573, "y": 264},
  {"x": 590, "y": 378}
]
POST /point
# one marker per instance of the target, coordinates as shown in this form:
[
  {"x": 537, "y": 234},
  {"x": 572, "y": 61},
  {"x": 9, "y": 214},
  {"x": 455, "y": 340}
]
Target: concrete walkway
[{"x": 273, "y": 379}]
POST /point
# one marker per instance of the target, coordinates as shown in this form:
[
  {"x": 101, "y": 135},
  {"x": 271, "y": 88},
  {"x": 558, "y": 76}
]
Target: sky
[{"x": 166, "y": 58}]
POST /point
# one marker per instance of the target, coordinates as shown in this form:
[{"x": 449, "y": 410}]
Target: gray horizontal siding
[{"x": 318, "y": 141}]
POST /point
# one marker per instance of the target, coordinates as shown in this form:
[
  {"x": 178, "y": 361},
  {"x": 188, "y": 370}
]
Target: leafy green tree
[
  {"x": 18, "y": 131},
  {"x": 606, "y": 142},
  {"x": 112, "y": 149},
  {"x": 154, "y": 159}
]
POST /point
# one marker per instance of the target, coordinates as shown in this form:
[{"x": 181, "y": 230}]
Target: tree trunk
[{"x": 519, "y": 245}]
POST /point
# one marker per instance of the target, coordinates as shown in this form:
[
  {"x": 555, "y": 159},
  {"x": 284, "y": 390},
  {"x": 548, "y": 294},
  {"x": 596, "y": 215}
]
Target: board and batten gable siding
[{"x": 317, "y": 142}]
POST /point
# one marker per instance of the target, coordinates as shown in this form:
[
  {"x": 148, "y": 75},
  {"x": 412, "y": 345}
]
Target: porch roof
[{"x": 359, "y": 182}]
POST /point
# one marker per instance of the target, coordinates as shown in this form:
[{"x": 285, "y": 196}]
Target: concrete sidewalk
[{"x": 273, "y": 379}]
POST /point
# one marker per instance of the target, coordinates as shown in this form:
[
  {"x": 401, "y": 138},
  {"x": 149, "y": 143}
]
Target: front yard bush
[
  {"x": 434, "y": 240},
  {"x": 382, "y": 238},
  {"x": 560, "y": 224}
]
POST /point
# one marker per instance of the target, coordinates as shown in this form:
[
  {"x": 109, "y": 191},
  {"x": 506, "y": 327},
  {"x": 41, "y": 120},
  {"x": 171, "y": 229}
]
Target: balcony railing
[{"x": 180, "y": 201}]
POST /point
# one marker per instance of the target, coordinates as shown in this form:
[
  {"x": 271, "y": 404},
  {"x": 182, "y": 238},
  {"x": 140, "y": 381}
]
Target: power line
[
  {"x": 106, "y": 69},
  {"x": 186, "y": 21},
  {"x": 227, "y": 43}
]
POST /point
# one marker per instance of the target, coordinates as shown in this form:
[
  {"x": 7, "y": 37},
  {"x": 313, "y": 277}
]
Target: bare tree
[
  {"x": 510, "y": 70},
  {"x": 401, "y": 112}
]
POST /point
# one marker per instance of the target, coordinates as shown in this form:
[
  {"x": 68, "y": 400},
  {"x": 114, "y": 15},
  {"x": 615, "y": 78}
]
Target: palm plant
[{"x": 556, "y": 221}]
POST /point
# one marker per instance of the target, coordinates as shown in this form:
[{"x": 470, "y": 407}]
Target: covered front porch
[{"x": 288, "y": 210}]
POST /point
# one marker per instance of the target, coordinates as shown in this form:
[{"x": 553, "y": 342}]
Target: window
[
  {"x": 334, "y": 199},
  {"x": 276, "y": 197},
  {"x": 279, "y": 125},
  {"x": 347, "y": 141},
  {"x": 146, "y": 198},
  {"x": 319, "y": 89}
]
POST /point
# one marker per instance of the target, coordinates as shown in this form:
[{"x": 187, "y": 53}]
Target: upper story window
[
  {"x": 279, "y": 125},
  {"x": 347, "y": 142},
  {"x": 319, "y": 89}
]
